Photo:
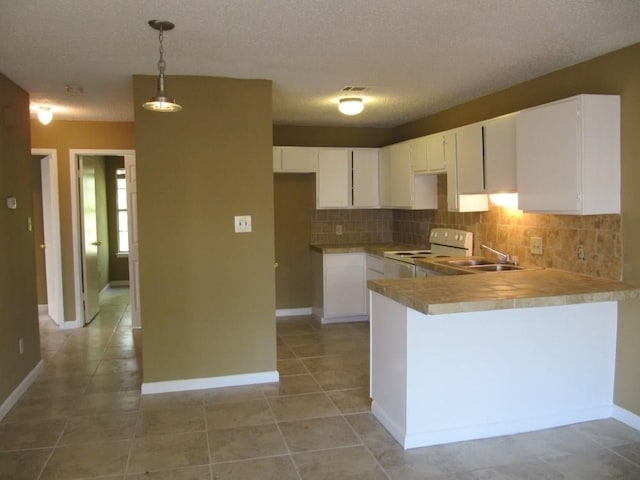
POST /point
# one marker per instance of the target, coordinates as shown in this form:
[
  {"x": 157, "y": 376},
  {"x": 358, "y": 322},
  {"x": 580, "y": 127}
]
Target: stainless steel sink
[
  {"x": 472, "y": 262},
  {"x": 498, "y": 267}
]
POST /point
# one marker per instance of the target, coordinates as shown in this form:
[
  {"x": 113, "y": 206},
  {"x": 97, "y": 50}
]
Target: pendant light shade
[
  {"x": 351, "y": 105},
  {"x": 161, "y": 102}
]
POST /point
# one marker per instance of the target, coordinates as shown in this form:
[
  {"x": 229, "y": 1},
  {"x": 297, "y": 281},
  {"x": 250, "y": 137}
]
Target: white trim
[
  {"x": 75, "y": 223},
  {"x": 499, "y": 429},
  {"x": 210, "y": 382},
  {"x": 293, "y": 312},
  {"x": 351, "y": 319},
  {"x": 43, "y": 309},
  {"x": 13, "y": 398},
  {"x": 71, "y": 324},
  {"x": 626, "y": 417},
  {"x": 119, "y": 283}
]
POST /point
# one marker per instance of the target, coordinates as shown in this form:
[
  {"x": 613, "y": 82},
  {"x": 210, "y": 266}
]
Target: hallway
[{"x": 84, "y": 418}]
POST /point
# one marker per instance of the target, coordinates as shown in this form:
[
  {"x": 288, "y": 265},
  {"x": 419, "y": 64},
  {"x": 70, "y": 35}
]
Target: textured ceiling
[{"x": 417, "y": 56}]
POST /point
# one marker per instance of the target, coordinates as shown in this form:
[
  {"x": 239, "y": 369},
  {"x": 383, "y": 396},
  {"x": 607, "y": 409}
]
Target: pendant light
[
  {"x": 351, "y": 105},
  {"x": 161, "y": 102}
]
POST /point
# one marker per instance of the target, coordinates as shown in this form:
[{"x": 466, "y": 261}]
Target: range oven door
[{"x": 397, "y": 269}]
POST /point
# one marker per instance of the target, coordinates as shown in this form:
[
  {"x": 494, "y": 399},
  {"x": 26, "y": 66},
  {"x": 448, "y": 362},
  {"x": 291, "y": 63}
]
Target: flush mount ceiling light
[
  {"x": 161, "y": 102},
  {"x": 45, "y": 115},
  {"x": 351, "y": 105}
]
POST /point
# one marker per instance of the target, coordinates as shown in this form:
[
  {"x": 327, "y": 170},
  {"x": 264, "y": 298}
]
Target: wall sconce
[
  {"x": 45, "y": 115},
  {"x": 161, "y": 102},
  {"x": 351, "y": 105}
]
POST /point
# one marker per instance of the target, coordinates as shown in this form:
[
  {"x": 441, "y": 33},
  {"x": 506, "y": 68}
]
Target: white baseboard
[
  {"x": 43, "y": 309},
  {"x": 72, "y": 324},
  {"x": 210, "y": 382},
  {"x": 355, "y": 318},
  {"x": 119, "y": 283},
  {"x": 626, "y": 417},
  {"x": 293, "y": 312},
  {"x": 13, "y": 398}
]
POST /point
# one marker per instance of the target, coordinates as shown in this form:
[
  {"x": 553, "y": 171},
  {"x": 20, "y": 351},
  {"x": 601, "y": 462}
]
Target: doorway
[
  {"x": 82, "y": 169},
  {"x": 294, "y": 202},
  {"x": 50, "y": 245}
]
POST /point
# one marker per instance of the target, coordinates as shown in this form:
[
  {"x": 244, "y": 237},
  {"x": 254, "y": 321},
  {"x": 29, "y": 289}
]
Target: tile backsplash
[
  {"x": 358, "y": 226},
  {"x": 510, "y": 231}
]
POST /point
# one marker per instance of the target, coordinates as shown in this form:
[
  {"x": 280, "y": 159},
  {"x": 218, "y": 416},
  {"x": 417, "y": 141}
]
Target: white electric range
[{"x": 445, "y": 242}]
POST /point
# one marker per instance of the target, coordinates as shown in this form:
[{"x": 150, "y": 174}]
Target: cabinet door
[
  {"x": 400, "y": 175},
  {"x": 547, "y": 158},
  {"x": 365, "y": 177},
  {"x": 418, "y": 151},
  {"x": 436, "y": 162},
  {"x": 299, "y": 159},
  {"x": 470, "y": 159},
  {"x": 332, "y": 179},
  {"x": 500, "y": 154},
  {"x": 345, "y": 285},
  {"x": 449, "y": 145},
  {"x": 384, "y": 174}
]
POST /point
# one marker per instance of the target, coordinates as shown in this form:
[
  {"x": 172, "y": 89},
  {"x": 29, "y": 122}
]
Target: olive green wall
[
  {"x": 307, "y": 136},
  {"x": 18, "y": 297},
  {"x": 614, "y": 73},
  {"x": 38, "y": 232},
  {"x": 64, "y": 135},
  {"x": 207, "y": 294},
  {"x": 118, "y": 266}
]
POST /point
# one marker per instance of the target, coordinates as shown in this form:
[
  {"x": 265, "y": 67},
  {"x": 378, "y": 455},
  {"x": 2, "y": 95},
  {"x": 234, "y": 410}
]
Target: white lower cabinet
[{"x": 340, "y": 287}]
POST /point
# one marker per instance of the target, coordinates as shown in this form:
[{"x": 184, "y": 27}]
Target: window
[{"x": 121, "y": 204}]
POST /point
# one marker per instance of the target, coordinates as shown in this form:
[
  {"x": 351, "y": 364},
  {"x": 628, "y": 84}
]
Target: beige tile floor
[{"x": 84, "y": 418}]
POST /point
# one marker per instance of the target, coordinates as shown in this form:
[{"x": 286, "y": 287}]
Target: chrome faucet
[{"x": 504, "y": 257}]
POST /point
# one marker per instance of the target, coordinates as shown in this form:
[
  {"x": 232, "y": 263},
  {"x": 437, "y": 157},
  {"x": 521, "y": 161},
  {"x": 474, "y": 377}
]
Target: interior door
[
  {"x": 51, "y": 232},
  {"x": 90, "y": 243},
  {"x": 132, "y": 221}
]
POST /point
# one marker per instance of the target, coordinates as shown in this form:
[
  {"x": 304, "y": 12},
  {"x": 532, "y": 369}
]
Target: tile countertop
[
  {"x": 501, "y": 290},
  {"x": 373, "y": 248}
]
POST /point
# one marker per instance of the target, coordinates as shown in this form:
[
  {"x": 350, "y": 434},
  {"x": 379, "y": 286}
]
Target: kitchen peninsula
[{"x": 471, "y": 356}]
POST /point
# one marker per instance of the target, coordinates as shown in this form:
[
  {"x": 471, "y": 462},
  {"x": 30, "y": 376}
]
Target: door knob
[
  {"x": 275, "y": 265},
  {"x": 97, "y": 244},
  {"x": 42, "y": 245}
]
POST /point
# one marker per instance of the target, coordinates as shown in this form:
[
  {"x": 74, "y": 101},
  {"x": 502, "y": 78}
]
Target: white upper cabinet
[
  {"x": 347, "y": 178},
  {"x": 418, "y": 153},
  {"x": 384, "y": 174},
  {"x": 470, "y": 159},
  {"x": 400, "y": 187},
  {"x": 365, "y": 178},
  {"x": 333, "y": 186},
  {"x": 435, "y": 150},
  {"x": 568, "y": 156},
  {"x": 400, "y": 174},
  {"x": 500, "y": 154},
  {"x": 465, "y": 171},
  {"x": 295, "y": 159}
]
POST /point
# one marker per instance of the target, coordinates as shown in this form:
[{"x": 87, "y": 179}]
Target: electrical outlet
[
  {"x": 536, "y": 246},
  {"x": 338, "y": 229},
  {"x": 242, "y": 223},
  {"x": 21, "y": 345},
  {"x": 580, "y": 252}
]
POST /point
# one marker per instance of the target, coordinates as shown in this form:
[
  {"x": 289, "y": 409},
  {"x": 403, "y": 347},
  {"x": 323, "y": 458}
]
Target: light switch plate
[{"x": 242, "y": 223}]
